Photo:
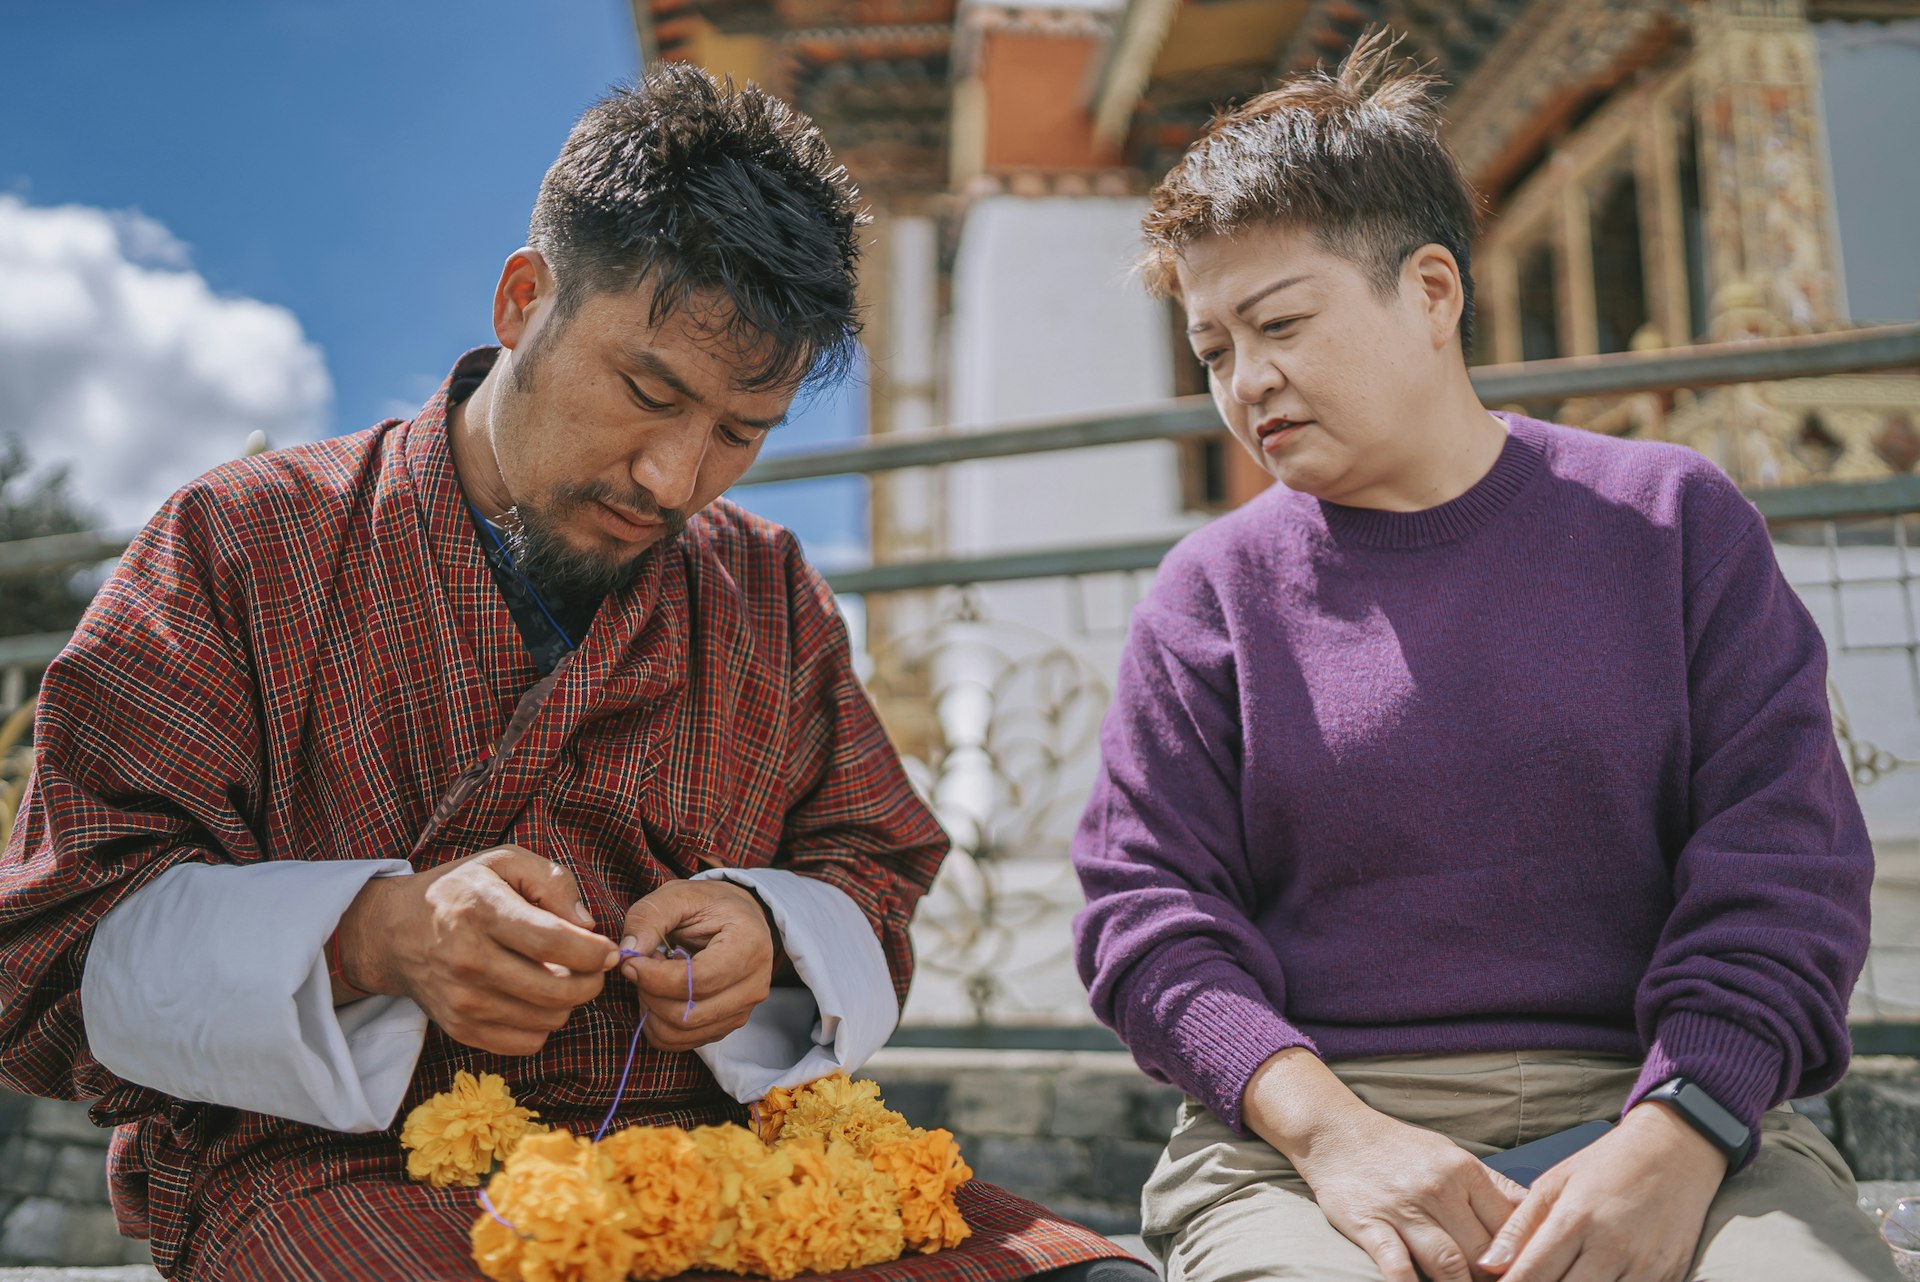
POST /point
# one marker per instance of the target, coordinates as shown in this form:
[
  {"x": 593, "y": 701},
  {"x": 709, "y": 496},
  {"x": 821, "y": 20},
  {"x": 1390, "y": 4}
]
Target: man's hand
[
  {"x": 726, "y": 930},
  {"x": 1629, "y": 1205},
  {"x": 1411, "y": 1198},
  {"x": 494, "y": 947}
]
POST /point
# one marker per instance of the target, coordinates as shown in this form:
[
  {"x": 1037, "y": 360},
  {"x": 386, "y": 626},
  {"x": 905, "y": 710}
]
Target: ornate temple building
[{"x": 1655, "y": 173}]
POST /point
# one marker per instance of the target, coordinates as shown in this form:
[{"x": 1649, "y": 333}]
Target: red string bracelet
[{"x": 337, "y": 970}]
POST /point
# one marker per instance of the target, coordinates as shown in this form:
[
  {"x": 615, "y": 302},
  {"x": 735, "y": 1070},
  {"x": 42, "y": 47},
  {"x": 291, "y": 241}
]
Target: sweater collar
[{"x": 1457, "y": 518}]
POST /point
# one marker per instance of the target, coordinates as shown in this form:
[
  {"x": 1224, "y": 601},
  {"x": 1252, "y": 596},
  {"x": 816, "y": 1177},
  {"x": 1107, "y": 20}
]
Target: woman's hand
[
  {"x": 1628, "y": 1206},
  {"x": 1409, "y": 1197}
]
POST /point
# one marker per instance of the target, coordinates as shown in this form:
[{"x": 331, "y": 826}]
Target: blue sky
[{"x": 365, "y": 166}]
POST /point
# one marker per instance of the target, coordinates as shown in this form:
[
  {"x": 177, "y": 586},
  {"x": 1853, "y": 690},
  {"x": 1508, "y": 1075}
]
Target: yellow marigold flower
[
  {"x": 838, "y": 1108},
  {"x": 571, "y": 1219},
  {"x": 927, "y": 1168},
  {"x": 673, "y": 1194},
  {"x": 868, "y": 1201},
  {"x": 457, "y": 1136}
]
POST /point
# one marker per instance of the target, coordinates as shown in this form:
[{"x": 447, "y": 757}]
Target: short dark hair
[
  {"x": 699, "y": 188},
  {"x": 1354, "y": 156}
]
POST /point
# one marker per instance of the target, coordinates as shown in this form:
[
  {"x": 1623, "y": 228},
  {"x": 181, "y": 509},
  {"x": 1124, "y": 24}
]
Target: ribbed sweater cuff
[
  {"x": 1225, "y": 1035},
  {"x": 1739, "y": 1068}
]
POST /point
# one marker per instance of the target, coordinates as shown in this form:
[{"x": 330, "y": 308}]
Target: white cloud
[{"x": 120, "y": 361}]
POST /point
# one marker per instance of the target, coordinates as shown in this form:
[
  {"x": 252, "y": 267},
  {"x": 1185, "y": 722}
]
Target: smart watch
[{"x": 1704, "y": 1113}]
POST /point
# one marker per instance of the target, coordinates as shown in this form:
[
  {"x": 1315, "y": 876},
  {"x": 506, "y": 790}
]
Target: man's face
[
  {"x": 1316, "y": 373},
  {"x": 610, "y": 432}
]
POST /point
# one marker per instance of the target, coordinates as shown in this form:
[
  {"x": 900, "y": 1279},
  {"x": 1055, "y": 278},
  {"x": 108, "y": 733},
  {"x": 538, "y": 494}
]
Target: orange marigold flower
[
  {"x": 673, "y": 1194},
  {"x": 868, "y": 1201},
  {"x": 839, "y": 1108},
  {"x": 570, "y": 1216},
  {"x": 927, "y": 1168},
  {"x": 457, "y": 1136},
  {"x": 773, "y": 1111}
]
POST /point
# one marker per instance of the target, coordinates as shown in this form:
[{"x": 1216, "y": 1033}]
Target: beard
[
  {"x": 533, "y": 533},
  {"x": 541, "y": 550}
]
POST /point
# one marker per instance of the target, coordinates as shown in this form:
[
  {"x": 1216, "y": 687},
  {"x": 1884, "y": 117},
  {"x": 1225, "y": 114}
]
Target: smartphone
[{"x": 1529, "y": 1162}]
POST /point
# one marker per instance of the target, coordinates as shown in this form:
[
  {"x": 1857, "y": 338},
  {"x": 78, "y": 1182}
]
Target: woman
[{"x": 1475, "y": 782}]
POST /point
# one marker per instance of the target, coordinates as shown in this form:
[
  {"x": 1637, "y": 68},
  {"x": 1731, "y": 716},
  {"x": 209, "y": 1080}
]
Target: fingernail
[
  {"x": 1497, "y": 1257},
  {"x": 580, "y": 911},
  {"x": 629, "y": 945}
]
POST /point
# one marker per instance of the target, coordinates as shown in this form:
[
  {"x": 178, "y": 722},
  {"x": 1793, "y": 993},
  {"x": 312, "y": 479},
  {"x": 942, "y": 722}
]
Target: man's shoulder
[
  {"x": 727, "y": 535},
  {"x": 298, "y": 485}
]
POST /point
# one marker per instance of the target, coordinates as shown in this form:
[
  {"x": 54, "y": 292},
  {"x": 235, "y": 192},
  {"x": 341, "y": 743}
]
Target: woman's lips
[{"x": 1276, "y": 432}]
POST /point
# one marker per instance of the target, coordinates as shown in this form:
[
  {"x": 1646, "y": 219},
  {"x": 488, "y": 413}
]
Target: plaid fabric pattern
[
  {"x": 296, "y": 657},
  {"x": 375, "y": 1232}
]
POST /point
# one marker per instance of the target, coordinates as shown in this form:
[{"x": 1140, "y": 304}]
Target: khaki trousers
[{"x": 1223, "y": 1209}]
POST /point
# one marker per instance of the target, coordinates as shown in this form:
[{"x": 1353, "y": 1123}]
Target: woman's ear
[{"x": 1435, "y": 276}]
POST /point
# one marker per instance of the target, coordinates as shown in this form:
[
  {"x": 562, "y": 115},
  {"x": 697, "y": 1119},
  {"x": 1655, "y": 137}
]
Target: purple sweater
[{"x": 1549, "y": 766}]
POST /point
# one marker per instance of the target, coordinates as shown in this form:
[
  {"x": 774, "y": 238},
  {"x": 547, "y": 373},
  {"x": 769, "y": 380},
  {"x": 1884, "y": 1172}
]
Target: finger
[
  {"x": 541, "y": 936},
  {"x": 498, "y": 1039},
  {"x": 1514, "y": 1235},
  {"x": 1389, "y": 1254},
  {"x": 1436, "y": 1253},
  {"x": 666, "y": 1038},
  {"x": 1547, "y": 1255},
  {"x": 732, "y": 960},
  {"x": 728, "y": 1011},
  {"x": 1492, "y": 1198},
  {"x": 656, "y": 916},
  {"x": 543, "y": 883},
  {"x": 470, "y": 1008},
  {"x": 508, "y": 974},
  {"x": 1459, "y": 1222}
]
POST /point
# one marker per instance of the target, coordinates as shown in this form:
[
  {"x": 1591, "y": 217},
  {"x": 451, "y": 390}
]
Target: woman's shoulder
[{"x": 1668, "y": 486}]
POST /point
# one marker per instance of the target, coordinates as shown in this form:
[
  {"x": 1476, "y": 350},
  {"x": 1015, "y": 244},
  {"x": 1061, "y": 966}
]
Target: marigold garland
[
  {"x": 834, "y": 1180},
  {"x": 457, "y": 1136}
]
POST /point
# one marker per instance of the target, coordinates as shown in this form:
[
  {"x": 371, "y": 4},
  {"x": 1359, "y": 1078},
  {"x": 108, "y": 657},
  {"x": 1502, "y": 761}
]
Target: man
[{"x": 373, "y": 756}]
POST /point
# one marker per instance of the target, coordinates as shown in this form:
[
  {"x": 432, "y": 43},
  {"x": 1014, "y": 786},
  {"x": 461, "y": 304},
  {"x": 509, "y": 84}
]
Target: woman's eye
[
  {"x": 1280, "y": 327},
  {"x": 1211, "y": 357}
]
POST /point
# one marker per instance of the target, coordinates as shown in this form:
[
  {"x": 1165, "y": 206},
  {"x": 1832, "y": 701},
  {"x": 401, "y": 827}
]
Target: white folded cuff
[
  {"x": 210, "y": 984},
  {"x": 847, "y": 1010}
]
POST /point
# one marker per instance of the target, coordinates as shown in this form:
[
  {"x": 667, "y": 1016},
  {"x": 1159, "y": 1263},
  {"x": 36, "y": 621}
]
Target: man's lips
[{"x": 624, "y": 524}]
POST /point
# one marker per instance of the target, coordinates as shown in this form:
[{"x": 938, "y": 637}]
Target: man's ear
[
  {"x": 1435, "y": 277},
  {"x": 525, "y": 291}
]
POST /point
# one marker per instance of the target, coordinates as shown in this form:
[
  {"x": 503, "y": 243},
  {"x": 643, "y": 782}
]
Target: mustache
[{"x": 638, "y": 502}]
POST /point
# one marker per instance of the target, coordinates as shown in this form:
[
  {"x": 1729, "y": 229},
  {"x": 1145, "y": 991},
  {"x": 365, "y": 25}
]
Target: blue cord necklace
[{"x": 525, "y": 582}]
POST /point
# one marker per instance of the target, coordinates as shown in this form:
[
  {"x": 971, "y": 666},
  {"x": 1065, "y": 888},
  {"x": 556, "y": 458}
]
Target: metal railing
[{"x": 1038, "y": 697}]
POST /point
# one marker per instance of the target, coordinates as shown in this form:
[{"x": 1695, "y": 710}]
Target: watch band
[{"x": 1706, "y": 1115}]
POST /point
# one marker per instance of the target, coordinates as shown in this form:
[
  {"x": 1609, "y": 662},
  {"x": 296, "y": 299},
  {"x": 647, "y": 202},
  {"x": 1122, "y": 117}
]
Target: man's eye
[
  {"x": 736, "y": 439},
  {"x": 646, "y": 402}
]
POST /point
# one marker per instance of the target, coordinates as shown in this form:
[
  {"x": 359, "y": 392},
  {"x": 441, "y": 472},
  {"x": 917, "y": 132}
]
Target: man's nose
[{"x": 668, "y": 466}]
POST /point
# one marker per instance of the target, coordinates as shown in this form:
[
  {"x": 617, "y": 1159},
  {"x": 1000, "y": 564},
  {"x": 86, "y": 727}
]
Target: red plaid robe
[{"x": 292, "y": 661}]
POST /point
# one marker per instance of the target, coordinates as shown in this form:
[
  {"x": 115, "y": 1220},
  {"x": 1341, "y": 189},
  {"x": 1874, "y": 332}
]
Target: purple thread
[
  {"x": 633, "y": 1047},
  {"x": 753, "y": 1111},
  {"x": 499, "y": 1218}
]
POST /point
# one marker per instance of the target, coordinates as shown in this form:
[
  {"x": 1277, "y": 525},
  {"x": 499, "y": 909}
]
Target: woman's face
[{"x": 1316, "y": 372}]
